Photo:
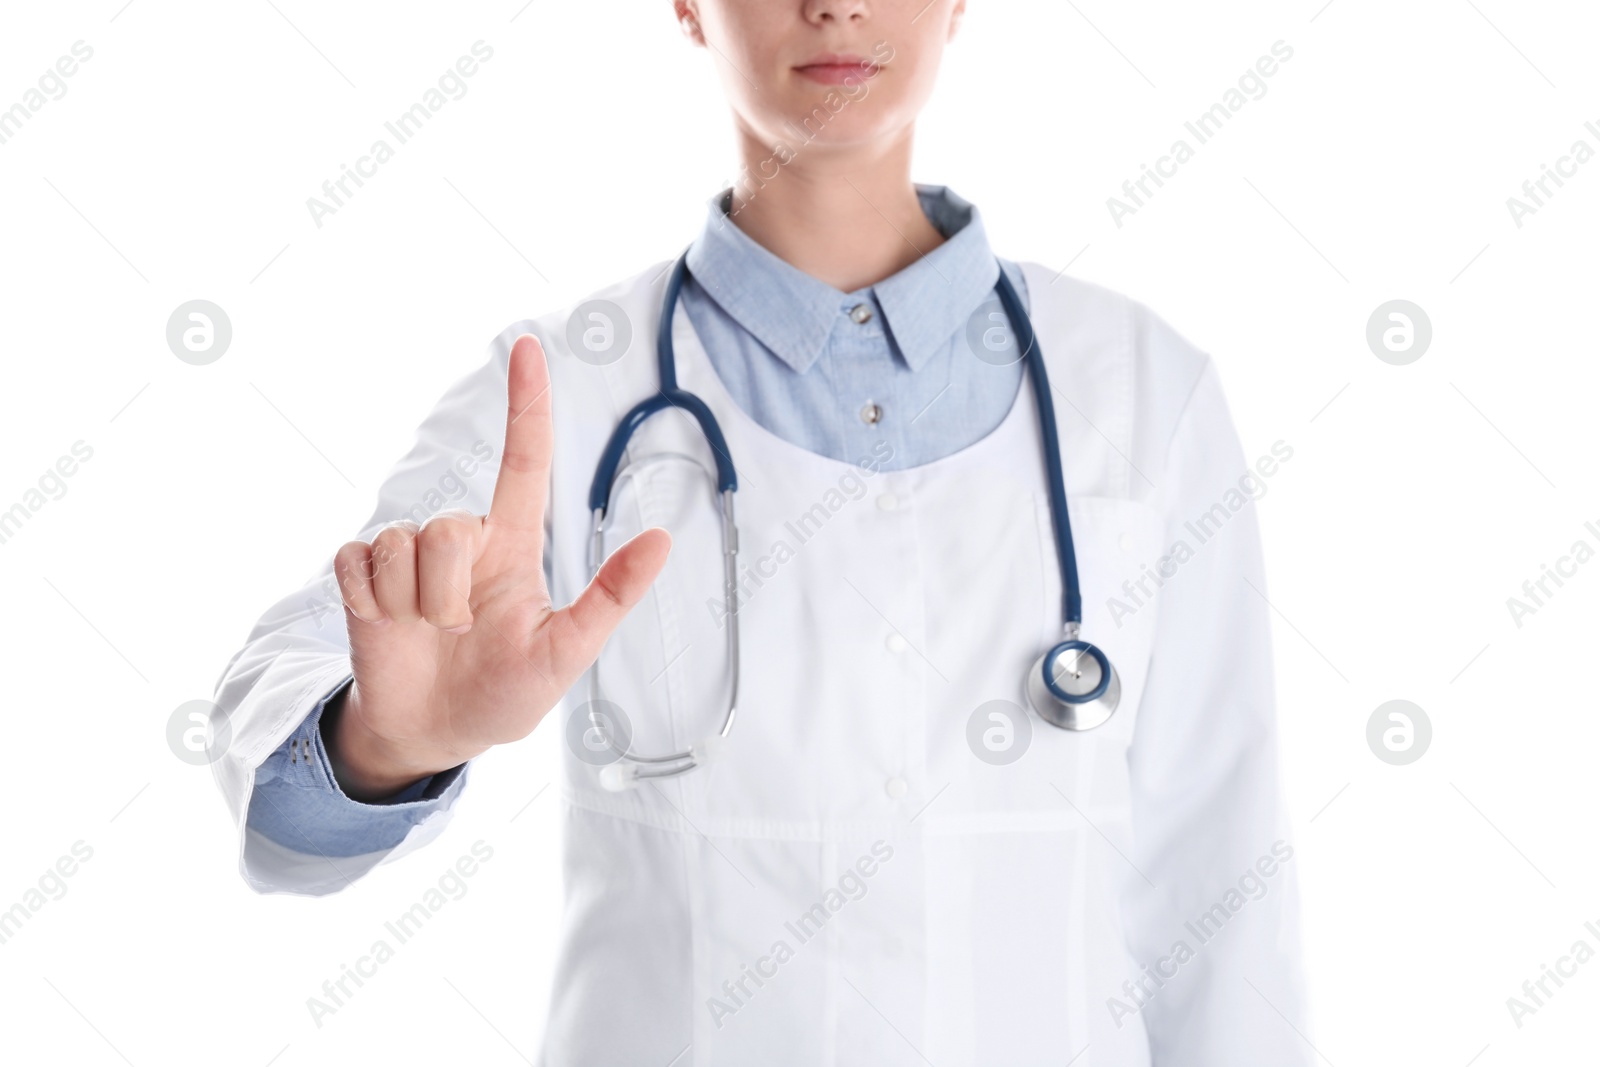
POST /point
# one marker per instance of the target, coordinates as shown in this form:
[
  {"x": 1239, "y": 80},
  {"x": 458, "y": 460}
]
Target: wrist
[{"x": 367, "y": 766}]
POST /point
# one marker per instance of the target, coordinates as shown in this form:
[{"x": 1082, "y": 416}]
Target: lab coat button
[
  {"x": 1125, "y": 542},
  {"x": 896, "y": 787},
  {"x": 888, "y": 502},
  {"x": 896, "y": 643}
]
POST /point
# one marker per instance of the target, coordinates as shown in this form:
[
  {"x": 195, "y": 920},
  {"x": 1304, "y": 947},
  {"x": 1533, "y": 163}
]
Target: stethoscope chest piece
[{"x": 1074, "y": 686}]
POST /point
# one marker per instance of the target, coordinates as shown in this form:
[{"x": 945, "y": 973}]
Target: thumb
[{"x": 580, "y": 630}]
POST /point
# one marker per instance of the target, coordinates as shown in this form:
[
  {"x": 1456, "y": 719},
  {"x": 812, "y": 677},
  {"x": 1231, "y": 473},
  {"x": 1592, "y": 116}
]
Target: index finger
[{"x": 521, "y": 488}]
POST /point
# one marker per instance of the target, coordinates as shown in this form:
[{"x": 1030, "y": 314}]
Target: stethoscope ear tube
[{"x": 629, "y": 768}]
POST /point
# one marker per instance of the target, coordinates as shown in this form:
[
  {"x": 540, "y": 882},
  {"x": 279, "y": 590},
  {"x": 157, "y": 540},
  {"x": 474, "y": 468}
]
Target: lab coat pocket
[{"x": 1117, "y": 544}]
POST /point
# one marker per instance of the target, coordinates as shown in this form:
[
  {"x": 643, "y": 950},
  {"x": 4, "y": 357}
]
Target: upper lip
[{"x": 837, "y": 59}]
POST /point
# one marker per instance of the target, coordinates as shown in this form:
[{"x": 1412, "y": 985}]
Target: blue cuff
[{"x": 298, "y": 804}]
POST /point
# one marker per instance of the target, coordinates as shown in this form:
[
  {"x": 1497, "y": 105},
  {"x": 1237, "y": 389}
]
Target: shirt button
[
  {"x": 871, "y": 413},
  {"x": 896, "y": 643},
  {"x": 896, "y": 788},
  {"x": 860, "y": 313},
  {"x": 888, "y": 502}
]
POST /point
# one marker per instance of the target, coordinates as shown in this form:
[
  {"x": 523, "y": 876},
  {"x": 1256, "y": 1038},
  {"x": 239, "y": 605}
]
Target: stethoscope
[{"x": 1072, "y": 685}]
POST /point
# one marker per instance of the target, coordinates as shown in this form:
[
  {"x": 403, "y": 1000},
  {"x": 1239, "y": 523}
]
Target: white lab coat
[{"x": 849, "y": 883}]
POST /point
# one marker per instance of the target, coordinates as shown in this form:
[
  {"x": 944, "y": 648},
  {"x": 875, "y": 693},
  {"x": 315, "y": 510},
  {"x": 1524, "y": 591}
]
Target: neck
[{"x": 848, "y": 217}]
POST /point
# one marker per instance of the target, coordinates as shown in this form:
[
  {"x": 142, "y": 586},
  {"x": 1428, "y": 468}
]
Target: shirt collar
[{"x": 794, "y": 314}]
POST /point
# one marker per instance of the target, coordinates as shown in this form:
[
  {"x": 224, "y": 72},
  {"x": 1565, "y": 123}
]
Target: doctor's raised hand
[{"x": 454, "y": 644}]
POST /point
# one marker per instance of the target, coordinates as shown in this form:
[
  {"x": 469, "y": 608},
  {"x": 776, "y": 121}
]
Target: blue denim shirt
[{"x": 832, "y": 372}]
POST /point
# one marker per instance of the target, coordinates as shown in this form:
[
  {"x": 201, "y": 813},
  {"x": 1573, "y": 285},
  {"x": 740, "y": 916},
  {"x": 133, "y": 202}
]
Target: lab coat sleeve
[
  {"x": 1208, "y": 828},
  {"x": 298, "y": 653}
]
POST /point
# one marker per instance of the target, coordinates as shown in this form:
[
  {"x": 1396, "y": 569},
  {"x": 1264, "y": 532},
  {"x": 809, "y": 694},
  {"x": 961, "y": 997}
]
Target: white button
[
  {"x": 860, "y": 313},
  {"x": 896, "y": 787},
  {"x": 897, "y": 643},
  {"x": 1125, "y": 542},
  {"x": 871, "y": 413},
  {"x": 888, "y": 502}
]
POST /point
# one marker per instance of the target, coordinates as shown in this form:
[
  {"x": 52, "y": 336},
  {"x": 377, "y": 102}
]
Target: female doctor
[{"x": 940, "y": 738}]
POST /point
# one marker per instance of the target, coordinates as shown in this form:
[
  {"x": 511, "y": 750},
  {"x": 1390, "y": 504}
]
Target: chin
[{"x": 818, "y": 119}]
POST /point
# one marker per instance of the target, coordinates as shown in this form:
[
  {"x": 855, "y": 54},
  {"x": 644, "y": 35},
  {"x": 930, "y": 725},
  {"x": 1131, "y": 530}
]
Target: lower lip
[{"x": 838, "y": 73}]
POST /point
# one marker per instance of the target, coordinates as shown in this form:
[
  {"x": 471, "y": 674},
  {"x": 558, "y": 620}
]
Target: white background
[{"x": 1419, "y": 498}]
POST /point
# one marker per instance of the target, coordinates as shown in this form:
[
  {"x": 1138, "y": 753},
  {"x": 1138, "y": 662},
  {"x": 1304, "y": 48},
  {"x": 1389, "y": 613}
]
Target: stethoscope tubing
[
  {"x": 1056, "y": 479},
  {"x": 727, "y": 484},
  {"x": 670, "y": 395}
]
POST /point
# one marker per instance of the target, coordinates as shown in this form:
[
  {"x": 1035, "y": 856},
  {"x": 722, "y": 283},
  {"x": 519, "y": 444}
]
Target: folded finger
[
  {"x": 352, "y": 569},
  {"x": 445, "y": 550},
  {"x": 394, "y": 571}
]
